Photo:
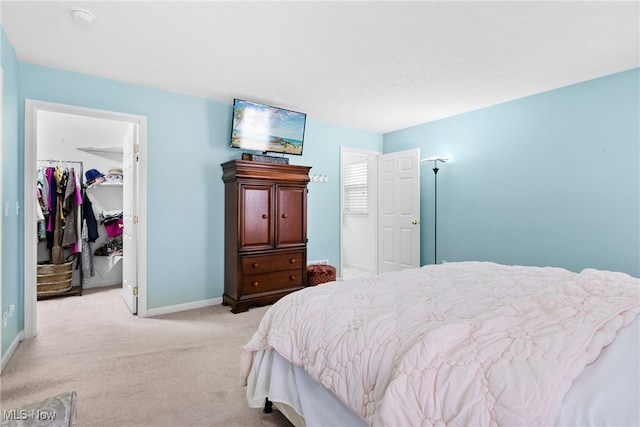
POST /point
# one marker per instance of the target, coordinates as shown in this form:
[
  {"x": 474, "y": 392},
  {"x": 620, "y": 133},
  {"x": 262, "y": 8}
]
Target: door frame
[
  {"x": 32, "y": 107},
  {"x": 372, "y": 185}
]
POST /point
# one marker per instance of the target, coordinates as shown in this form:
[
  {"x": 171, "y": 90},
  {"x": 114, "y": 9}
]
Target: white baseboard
[
  {"x": 12, "y": 349},
  {"x": 183, "y": 307}
]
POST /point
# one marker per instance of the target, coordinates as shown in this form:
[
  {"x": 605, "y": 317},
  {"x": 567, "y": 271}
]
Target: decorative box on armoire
[{"x": 265, "y": 232}]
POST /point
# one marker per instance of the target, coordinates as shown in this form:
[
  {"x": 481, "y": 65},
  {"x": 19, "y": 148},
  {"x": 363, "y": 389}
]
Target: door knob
[{"x": 415, "y": 222}]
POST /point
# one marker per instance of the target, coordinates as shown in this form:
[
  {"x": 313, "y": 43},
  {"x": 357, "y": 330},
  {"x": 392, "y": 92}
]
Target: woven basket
[
  {"x": 54, "y": 278},
  {"x": 319, "y": 273}
]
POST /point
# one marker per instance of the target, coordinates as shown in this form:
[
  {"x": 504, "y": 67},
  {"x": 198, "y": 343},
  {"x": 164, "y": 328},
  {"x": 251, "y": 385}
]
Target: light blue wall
[
  {"x": 551, "y": 179},
  {"x": 322, "y": 151},
  {"x": 11, "y": 193},
  {"x": 188, "y": 139}
]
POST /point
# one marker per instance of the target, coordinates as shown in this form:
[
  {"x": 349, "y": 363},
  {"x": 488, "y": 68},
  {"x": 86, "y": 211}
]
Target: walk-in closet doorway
[{"x": 113, "y": 144}]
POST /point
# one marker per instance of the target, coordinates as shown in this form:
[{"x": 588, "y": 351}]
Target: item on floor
[
  {"x": 53, "y": 279},
  {"x": 58, "y": 411},
  {"x": 320, "y": 273}
]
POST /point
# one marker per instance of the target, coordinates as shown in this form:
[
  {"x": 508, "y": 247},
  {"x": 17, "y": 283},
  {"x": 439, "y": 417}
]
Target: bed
[{"x": 468, "y": 343}]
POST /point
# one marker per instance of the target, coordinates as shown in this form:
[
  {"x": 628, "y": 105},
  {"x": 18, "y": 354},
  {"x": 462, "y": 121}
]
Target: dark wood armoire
[{"x": 265, "y": 232}]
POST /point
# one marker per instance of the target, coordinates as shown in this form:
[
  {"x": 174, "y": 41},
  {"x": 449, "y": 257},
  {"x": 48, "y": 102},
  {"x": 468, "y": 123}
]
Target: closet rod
[{"x": 53, "y": 162}]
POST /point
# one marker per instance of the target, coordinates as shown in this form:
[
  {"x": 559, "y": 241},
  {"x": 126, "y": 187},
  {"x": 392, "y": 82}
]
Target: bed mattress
[
  {"x": 470, "y": 343},
  {"x": 606, "y": 393}
]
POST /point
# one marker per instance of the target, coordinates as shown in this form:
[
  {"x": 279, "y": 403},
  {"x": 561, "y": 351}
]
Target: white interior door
[
  {"x": 130, "y": 220},
  {"x": 399, "y": 210}
]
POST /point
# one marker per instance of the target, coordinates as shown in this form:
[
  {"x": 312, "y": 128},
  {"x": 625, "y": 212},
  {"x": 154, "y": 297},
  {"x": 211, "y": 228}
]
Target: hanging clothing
[
  {"x": 59, "y": 194},
  {"x": 69, "y": 208},
  {"x": 57, "y": 253},
  {"x": 40, "y": 219},
  {"x": 90, "y": 218},
  {"x": 51, "y": 203},
  {"x": 88, "y": 269},
  {"x": 42, "y": 194},
  {"x": 77, "y": 247}
]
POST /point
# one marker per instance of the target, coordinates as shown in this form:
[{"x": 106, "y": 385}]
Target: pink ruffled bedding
[{"x": 470, "y": 343}]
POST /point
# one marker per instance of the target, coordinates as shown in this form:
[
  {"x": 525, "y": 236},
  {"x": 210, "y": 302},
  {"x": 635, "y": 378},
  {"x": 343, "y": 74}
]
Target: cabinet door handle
[
  {"x": 292, "y": 260},
  {"x": 255, "y": 284},
  {"x": 264, "y": 216},
  {"x": 254, "y": 265},
  {"x": 284, "y": 215}
]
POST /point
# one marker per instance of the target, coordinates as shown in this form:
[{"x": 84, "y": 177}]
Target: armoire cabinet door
[
  {"x": 256, "y": 210},
  {"x": 291, "y": 216}
]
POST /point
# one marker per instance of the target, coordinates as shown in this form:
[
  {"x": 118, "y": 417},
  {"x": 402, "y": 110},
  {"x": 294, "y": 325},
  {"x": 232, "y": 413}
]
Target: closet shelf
[
  {"x": 114, "y": 258},
  {"x": 102, "y": 150},
  {"x": 106, "y": 184}
]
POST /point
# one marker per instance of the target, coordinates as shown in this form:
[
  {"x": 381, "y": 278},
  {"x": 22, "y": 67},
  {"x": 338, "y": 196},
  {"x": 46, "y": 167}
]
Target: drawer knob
[
  {"x": 284, "y": 215},
  {"x": 264, "y": 216},
  {"x": 292, "y": 260},
  {"x": 255, "y": 284},
  {"x": 292, "y": 277},
  {"x": 254, "y": 265}
]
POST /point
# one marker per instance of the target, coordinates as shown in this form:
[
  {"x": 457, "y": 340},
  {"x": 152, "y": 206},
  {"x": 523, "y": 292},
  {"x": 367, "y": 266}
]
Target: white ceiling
[
  {"x": 376, "y": 66},
  {"x": 56, "y": 130}
]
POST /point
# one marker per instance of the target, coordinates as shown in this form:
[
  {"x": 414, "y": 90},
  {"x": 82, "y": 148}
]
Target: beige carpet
[{"x": 173, "y": 370}]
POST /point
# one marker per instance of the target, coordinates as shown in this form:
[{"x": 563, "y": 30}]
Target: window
[{"x": 356, "y": 188}]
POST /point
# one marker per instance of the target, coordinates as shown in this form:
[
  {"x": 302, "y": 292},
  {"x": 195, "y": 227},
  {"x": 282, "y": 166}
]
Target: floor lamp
[{"x": 435, "y": 160}]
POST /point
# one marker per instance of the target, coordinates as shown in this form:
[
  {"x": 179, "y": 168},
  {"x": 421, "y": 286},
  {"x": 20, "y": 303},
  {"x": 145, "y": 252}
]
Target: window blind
[{"x": 356, "y": 189}]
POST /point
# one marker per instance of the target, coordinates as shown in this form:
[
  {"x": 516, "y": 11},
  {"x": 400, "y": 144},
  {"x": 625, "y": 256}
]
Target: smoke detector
[{"x": 82, "y": 16}]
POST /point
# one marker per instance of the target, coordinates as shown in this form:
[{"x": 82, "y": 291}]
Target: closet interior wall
[{"x": 106, "y": 199}]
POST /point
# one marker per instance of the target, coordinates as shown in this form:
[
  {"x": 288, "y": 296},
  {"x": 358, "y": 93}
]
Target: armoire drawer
[
  {"x": 267, "y": 263},
  {"x": 257, "y": 283}
]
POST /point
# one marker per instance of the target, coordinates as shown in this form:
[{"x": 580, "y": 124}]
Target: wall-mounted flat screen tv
[{"x": 265, "y": 128}]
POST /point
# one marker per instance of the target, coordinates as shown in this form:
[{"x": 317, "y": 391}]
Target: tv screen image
[{"x": 265, "y": 128}]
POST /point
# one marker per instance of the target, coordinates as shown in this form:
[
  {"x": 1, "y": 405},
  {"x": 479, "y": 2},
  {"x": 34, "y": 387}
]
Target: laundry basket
[{"x": 54, "y": 279}]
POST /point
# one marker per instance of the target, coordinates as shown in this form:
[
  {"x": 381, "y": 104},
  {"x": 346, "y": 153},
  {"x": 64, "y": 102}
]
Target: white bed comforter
[{"x": 471, "y": 343}]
